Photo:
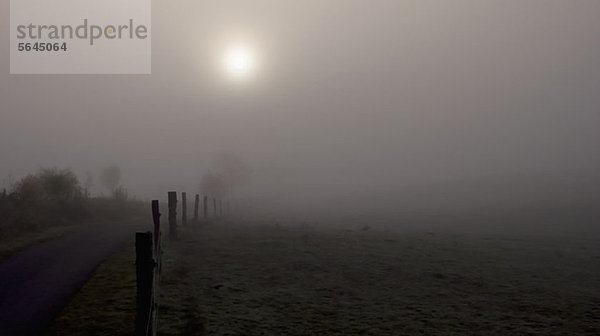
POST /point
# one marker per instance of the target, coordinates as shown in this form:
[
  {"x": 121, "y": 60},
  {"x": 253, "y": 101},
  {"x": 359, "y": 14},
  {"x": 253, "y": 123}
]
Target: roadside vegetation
[
  {"x": 52, "y": 202},
  {"x": 105, "y": 305}
]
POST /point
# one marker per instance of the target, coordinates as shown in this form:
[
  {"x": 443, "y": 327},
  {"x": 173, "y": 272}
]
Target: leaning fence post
[
  {"x": 172, "y": 214},
  {"x": 144, "y": 266},
  {"x": 183, "y": 208},
  {"x": 205, "y": 206},
  {"x": 196, "y": 203}
]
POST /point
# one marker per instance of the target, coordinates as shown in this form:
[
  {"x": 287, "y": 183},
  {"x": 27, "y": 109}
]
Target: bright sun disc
[{"x": 239, "y": 61}]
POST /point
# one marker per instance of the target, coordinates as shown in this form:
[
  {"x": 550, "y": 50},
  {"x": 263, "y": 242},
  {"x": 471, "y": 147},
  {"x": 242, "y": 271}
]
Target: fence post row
[
  {"x": 172, "y": 214},
  {"x": 147, "y": 269}
]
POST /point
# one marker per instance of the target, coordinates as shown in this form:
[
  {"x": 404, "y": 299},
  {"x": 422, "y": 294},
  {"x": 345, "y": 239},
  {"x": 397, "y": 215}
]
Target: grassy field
[
  {"x": 268, "y": 280},
  {"x": 223, "y": 279}
]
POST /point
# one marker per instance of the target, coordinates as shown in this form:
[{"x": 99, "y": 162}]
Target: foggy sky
[{"x": 490, "y": 100}]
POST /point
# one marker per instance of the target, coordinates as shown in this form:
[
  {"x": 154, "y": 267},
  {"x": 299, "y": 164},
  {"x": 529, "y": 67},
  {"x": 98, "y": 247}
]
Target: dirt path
[{"x": 36, "y": 283}]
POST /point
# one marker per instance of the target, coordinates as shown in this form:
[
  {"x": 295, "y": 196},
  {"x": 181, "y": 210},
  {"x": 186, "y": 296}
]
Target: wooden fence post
[
  {"x": 156, "y": 219},
  {"x": 184, "y": 208},
  {"x": 215, "y": 206},
  {"x": 172, "y": 214},
  {"x": 205, "y": 204},
  {"x": 144, "y": 265},
  {"x": 196, "y": 203}
]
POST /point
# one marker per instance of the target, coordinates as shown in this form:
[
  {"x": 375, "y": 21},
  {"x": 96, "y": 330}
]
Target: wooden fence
[
  {"x": 148, "y": 249},
  {"x": 148, "y": 266}
]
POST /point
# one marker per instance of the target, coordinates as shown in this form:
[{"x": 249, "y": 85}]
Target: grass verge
[
  {"x": 22, "y": 241},
  {"x": 105, "y": 305}
]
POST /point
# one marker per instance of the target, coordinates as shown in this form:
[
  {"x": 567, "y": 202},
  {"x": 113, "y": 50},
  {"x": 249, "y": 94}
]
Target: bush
[
  {"x": 49, "y": 197},
  {"x": 60, "y": 184},
  {"x": 48, "y": 185}
]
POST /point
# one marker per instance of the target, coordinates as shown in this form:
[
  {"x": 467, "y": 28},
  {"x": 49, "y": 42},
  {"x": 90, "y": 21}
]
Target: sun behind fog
[{"x": 239, "y": 61}]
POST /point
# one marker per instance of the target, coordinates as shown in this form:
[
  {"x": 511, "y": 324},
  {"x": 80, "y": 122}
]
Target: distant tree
[
  {"x": 120, "y": 194},
  {"x": 110, "y": 177},
  {"x": 89, "y": 183},
  {"x": 234, "y": 170},
  {"x": 213, "y": 185},
  {"x": 11, "y": 180}
]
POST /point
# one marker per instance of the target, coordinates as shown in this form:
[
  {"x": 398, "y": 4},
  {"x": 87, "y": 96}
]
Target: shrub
[
  {"x": 49, "y": 197},
  {"x": 48, "y": 185}
]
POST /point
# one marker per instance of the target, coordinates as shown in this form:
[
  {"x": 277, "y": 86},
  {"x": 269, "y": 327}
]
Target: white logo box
[{"x": 80, "y": 37}]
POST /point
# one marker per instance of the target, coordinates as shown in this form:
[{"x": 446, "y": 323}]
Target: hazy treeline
[
  {"x": 229, "y": 171},
  {"x": 53, "y": 197}
]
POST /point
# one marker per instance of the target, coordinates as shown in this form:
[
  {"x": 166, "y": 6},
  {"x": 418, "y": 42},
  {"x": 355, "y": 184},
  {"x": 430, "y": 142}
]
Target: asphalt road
[{"x": 37, "y": 283}]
